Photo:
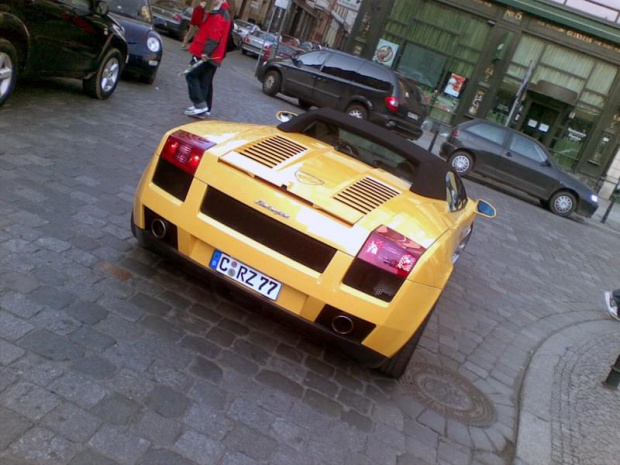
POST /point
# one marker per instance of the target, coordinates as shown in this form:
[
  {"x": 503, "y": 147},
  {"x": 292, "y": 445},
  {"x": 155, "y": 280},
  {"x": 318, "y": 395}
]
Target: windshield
[
  {"x": 168, "y": 5},
  {"x": 136, "y": 9},
  {"x": 369, "y": 152}
]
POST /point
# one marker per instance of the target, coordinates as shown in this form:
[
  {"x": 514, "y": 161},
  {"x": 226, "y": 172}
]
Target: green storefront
[{"x": 472, "y": 58}]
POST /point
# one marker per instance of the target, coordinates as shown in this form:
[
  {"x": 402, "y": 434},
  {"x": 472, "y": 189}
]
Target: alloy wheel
[
  {"x": 461, "y": 164},
  {"x": 6, "y": 73},
  {"x": 109, "y": 77},
  {"x": 563, "y": 204}
]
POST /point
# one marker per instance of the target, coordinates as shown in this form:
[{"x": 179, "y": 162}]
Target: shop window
[{"x": 567, "y": 148}]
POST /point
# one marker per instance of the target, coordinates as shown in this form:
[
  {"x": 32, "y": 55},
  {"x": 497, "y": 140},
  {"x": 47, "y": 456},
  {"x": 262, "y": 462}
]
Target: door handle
[{"x": 508, "y": 154}]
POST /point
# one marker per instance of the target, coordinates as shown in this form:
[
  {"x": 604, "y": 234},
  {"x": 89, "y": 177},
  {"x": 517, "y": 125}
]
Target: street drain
[{"x": 449, "y": 393}]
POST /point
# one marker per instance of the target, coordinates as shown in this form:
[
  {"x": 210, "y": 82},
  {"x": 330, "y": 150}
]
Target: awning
[
  {"x": 303, "y": 5},
  {"x": 559, "y": 15}
]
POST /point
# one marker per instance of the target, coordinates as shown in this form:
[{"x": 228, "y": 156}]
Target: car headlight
[
  {"x": 153, "y": 44},
  {"x": 594, "y": 198}
]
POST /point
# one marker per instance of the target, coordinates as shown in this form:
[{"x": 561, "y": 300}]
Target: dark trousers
[{"x": 200, "y": 85}]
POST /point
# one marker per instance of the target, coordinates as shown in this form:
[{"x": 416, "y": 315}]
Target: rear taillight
[
  {"x": 266, "y": 52},
  {"x": 178, "y": 17},
  {"x": 454, "y": 133},
  {"x": 391, "y": 251},
  {"x": 392, "y": 104},
  {"x": 185, "y": 150},
  {"x": 246, "y": 40}
]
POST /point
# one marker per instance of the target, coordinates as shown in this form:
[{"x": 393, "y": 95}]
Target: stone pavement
[{"x": 111, "y": 355}]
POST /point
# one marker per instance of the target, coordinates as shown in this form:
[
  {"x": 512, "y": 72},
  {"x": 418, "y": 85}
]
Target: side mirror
[
  {"x": 284, "y": 116},
  {"x": 102, "y": 8},
  {"x": 484, "y": 208}
]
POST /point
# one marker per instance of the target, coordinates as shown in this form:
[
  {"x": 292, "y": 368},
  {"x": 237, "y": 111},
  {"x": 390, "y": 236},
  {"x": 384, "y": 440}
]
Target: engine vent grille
[
  {"x": 365, "y": 195},
  {"x": 273, "y": 151}
]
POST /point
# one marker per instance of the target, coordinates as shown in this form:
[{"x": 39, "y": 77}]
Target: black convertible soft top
[{"x": 429, "y": 179}]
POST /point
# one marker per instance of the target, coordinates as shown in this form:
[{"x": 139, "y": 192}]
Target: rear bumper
[
  {"x": 408, "y": 128},
  {"x": 313, "y": 330}
]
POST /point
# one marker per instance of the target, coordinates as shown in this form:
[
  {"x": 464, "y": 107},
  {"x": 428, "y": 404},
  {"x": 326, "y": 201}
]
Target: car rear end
[
  {"x": 403, "y": 110},
  {"x": 202, "y": 201}
]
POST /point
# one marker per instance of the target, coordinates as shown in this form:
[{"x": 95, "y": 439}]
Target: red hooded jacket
[{"x": 212, "y": 36}]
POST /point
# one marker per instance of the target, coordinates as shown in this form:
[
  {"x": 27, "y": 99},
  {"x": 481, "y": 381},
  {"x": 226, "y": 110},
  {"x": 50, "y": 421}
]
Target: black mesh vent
[
  {"x": 269, "y": 232},
  {"x": 173, "y": 180},
  {"x": 361, "y": 328},
  {"x": 372, "y": 280}
]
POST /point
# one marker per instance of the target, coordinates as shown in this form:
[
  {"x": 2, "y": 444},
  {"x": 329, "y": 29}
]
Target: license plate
[
  {"x": 245, "y": 275},
  {"x": 412, "y": 115}
]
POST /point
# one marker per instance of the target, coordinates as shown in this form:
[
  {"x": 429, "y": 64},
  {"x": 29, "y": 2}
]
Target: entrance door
[{"x": 539, "y": 122}]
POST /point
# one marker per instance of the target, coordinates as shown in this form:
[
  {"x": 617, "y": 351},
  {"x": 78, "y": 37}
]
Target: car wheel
[
  {"x": 271, "y": 83},
  {"x": 103, "y": 83},
  {"x": 461, "y": 162},
  {"x": 304, "y": 105},
  {"x": 357, "y": 111},
  {"x": 8, "y": 69},
  {"x": 562, "y": 203},
  {"x": 395, "y": 366}
]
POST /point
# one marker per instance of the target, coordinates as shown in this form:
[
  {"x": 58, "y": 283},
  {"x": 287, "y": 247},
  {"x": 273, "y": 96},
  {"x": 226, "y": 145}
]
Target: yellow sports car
[{"x": 338, "y": 222}]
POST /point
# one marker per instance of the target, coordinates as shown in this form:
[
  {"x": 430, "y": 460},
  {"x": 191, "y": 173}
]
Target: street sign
[{"x": 283, "y": 3}]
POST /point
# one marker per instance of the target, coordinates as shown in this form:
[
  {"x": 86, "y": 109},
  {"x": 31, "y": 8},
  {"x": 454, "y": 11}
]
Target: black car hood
[{"x": 136, "y": 31}]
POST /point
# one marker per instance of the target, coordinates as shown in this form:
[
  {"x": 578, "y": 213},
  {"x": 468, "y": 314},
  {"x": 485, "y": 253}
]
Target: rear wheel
[
  {"x": 8, "y": 69},
  {"x": 395, "y": 366},
  {"x": 272, "y": 83},
  {"x": 562, "y": 203},
  {"x": 103, "y": 83},
  {"x": 357, "y": 111},
  {"x": 461, "y": 162}
]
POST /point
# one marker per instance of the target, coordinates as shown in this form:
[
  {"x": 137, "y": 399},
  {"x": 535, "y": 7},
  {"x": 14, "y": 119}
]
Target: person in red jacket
[
  {"x": 198, "y": 17},
  {"x": 209, "y": 45}
]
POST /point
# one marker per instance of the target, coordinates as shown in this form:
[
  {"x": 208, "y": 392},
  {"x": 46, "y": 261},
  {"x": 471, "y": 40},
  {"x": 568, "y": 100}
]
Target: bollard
[{"x": 613, "y": 379}]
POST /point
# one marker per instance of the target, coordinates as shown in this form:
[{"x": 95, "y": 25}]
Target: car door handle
[{"x": 508, "y": 154}]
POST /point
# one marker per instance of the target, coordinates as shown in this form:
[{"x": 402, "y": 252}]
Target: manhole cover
[{"x": 449, "y": 394}]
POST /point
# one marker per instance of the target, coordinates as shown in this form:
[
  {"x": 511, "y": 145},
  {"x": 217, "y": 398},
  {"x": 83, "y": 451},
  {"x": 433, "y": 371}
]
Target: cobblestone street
[{"x": 111, "y": 355}]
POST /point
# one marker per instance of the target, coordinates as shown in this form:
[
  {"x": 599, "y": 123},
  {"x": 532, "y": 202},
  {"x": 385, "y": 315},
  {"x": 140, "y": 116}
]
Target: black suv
[
  {"x": 61, "y": 38},
  {"x": 359, "y": 87}
]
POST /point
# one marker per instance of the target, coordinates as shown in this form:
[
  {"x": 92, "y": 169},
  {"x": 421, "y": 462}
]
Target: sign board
[
  {"x": 385, "y": 52},
  {"x": 283, "y": 3},
  {"x": 350, "y": 4},
  {"x": 455, "y": 85}
]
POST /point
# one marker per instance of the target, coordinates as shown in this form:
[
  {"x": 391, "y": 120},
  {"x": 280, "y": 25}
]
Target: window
[
  {"x": 489, "y": 132},
  {"x": 343, "y": 67},
  {"x": 372, "y": 76},
  {"x": 82, "y": 4},
  {"x": 313, "y": 59},
  {"x": 527, "y": 148}
]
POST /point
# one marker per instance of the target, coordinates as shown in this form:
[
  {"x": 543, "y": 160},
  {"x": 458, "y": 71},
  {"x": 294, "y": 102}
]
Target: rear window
[{"x": 489, "y": 132}]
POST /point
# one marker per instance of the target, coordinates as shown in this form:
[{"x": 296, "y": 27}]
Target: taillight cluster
[
  {"x": 391, "y": 251},
  {"x": 185, "y": 150},
  {"x": 392, "y": 103},
  {"x": 454, "y": 133},
  {"x": 266, "y": 52}
]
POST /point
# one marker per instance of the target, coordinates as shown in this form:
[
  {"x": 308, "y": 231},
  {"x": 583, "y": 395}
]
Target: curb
[{"x": 534, "y": 433}]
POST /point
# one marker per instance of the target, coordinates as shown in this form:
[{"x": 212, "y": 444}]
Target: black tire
[
  {"x": 244, "y": 51},
  {"x": 8, "y": 69},
  {"x": 461, "y": 162},
  {"x": 357, "y": 110},
  {"x": 395, "y": 366},
  {"x": 304, "y": 104},
  {"x": 563, "y": 203},
  {"x": 103, "y": 83},
  {"x": 148, "y": 78},
  {"x": 271, "y": 83}
]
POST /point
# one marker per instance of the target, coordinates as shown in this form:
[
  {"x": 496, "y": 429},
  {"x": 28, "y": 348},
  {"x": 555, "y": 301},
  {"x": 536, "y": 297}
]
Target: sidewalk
[{"x": 566, "y": 414}]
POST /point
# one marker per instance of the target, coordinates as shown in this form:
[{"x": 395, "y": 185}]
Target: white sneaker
[
  {"x": 192, "y": 108},
  {"x": 196, "y": 111}
]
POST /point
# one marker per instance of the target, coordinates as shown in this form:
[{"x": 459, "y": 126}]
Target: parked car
[
  {"x": 334, "y": 221},
  {"x": 518, "y": 161},
  {"x": 171, "y": 17},
  {"x": 348, "y": 83},
  {"x": 61, "y": 39},
  {"x": 254, "y": 43},
  {"x": 145, "y": 45},
  {"x": 241, "y": 29},
  {"x": 311, "y": 46},
  {"x": 286, "y": 39}
]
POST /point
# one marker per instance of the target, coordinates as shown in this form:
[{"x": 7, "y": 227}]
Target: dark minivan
[
  {"x": 519, "y": 161},
  {"x": 348, "y": 83}
]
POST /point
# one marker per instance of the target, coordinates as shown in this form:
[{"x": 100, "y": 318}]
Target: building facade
[{"x": 540, "y": 66}]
